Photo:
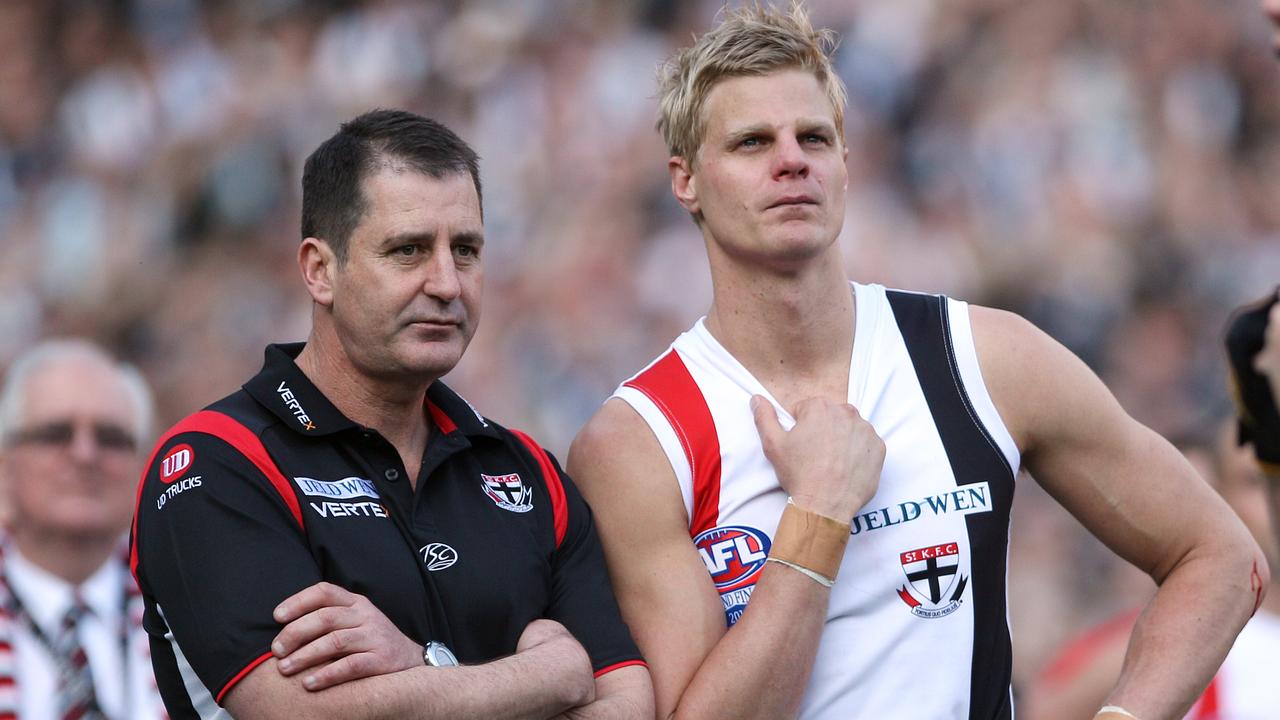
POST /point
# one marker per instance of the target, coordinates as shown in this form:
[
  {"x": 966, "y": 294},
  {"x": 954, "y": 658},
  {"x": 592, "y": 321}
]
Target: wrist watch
[{"x": 435, "y": 654}]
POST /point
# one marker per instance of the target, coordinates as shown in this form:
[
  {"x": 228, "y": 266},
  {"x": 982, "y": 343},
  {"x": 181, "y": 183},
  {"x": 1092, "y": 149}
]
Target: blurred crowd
[{"x": 1109, "y": 170}]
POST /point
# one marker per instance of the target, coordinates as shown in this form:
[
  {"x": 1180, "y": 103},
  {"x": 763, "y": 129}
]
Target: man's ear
[
  {"x": 318, "y": 264},
  {"x": 683, "y": 184}
]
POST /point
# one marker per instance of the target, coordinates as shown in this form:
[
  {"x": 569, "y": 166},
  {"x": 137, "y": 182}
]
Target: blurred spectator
[
  {"x": 72, "y": 424},
  {"x": 1106, "y": 169}
]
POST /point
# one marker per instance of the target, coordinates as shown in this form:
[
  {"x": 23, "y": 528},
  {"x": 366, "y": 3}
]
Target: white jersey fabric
[{"x": 917, "y": 625}]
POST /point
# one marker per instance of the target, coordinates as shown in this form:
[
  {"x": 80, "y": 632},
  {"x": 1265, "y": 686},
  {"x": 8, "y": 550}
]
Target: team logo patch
[
  {"x": 934, "y": 583},
  {"x": 508, "y": 492},
  {"x": 734, "y": 556},
  {"x": 176, "y": 462},
  {"x": 438, "y": 556}
]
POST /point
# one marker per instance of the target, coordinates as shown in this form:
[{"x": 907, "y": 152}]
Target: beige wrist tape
[
  {"x": 810, "y": 540},
  {"x": 1114, "y": 711}
]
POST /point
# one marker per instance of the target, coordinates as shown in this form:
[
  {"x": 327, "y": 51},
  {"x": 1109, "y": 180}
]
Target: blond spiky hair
[{"x": 754, "y": 40}]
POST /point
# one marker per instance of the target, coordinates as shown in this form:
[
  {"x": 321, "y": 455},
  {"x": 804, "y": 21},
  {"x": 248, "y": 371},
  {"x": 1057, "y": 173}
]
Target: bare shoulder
[
  {"x": 1037, "y": 384},
  {"x": 615, "y": 427},
  {"x": 617, "y": 447},
  {"x": 1010, "y": 347}
]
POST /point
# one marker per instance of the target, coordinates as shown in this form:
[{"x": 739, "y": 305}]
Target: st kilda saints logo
[
  {"x": 508, "y": 492},
  {"x": 734, "y": 555},
  {"x": 934, "y": 583}
]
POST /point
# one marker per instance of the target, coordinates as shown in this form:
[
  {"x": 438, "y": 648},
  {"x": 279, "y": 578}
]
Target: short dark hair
[{"x": 332, "y": 198}]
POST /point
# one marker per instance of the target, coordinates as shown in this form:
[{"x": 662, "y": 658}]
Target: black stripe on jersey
[{"x": 974, "y": 457}]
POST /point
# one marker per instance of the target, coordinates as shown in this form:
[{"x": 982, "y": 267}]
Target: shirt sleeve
[
  {"x": 217, "y": 548},
  {"x": 582, "y": 597}
]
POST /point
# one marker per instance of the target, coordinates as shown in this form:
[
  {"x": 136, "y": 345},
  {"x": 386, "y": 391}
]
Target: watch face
[{"x": 439, "y": 656}]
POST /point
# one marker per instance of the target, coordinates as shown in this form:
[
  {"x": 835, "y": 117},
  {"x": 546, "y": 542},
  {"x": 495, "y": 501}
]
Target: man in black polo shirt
[{"x": 347, "y": 492}]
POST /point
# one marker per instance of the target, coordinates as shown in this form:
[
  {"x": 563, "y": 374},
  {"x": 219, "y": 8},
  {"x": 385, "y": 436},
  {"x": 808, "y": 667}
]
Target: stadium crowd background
[{"x": 1109, "y": 170}]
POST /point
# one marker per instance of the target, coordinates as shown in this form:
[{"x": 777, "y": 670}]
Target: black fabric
[
  {"x": 1259, "y": 420},
  {"x": 218, "y": 557},
  {"x": 974, "y": 457}
]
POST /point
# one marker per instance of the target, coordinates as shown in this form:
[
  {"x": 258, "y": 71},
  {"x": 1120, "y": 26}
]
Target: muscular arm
[
  {"x": 1137, "y": 494},
  {"x": 757, "y": 668},
  {"x": 334, "y": 638},
  {"x": 535, "y": 683}
]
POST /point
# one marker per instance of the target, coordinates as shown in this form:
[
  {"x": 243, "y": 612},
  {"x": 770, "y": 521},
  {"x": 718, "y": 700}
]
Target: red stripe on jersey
[
  {"x": 669, "y": 385},
  {"x": 555, "y": 488},
  {"x": 239, "y": 437},
  {"x": 441, "y": 420},
  {"x": 240, "y": 676},
  {"x": 619, "y": 666}
]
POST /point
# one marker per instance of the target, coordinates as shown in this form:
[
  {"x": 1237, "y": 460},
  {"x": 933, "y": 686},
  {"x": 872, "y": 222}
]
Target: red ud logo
[
  {"x": 176, "y": 462},
  {"x": 734, "y": 556}
]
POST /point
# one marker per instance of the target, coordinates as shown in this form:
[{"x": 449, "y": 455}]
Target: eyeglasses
[{"x": 61, "y": 433}]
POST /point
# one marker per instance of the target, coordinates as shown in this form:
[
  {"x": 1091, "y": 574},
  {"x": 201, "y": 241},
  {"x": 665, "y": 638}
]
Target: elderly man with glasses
[{"x": 72, "y": 424}]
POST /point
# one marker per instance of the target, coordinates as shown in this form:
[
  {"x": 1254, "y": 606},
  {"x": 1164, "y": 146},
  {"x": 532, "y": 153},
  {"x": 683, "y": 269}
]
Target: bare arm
[
  {"x": 533, "y": 684},
  {"x": 333, "y": 636},
  {"x": 1138, "y": 495},
  {"x": 624, "y": 694},
  {"x": 760, "y": 666}
]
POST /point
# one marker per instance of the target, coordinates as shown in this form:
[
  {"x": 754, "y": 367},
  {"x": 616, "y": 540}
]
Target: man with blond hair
[{"x": 805, "y": 502}]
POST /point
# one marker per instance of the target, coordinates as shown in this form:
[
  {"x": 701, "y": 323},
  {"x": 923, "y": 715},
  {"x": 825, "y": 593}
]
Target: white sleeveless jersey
[{"x": 917, "y": 625}]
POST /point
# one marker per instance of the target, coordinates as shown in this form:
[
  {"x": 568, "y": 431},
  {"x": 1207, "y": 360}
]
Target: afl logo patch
[
  {"x": 176, "y": 462},
  {"x": 734, "y": 556},
  {"x": 438, "y": 556}
]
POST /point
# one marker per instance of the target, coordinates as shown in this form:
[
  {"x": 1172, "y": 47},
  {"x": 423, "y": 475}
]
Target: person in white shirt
[{"x": 72, "y": 423}]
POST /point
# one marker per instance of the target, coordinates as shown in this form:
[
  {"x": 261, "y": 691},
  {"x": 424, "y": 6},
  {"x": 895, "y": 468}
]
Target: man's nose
[
  {"x": 442, "y": 280},
  {"x": 789, "y": 158},
  {"x": 84, "y": 443}
]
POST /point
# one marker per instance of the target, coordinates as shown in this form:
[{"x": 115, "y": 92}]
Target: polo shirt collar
[
  {"x": 285, "y": 390},
  {"x": 452, "y": 413}
]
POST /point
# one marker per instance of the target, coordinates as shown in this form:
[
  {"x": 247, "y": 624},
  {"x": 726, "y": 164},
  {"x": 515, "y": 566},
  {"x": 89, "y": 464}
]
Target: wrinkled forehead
[{"x": 76, "y": 388}]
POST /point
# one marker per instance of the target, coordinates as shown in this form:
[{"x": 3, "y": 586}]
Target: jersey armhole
[
  {"x": 667, "y": 438},
  {"x": 966, "y": 355}
]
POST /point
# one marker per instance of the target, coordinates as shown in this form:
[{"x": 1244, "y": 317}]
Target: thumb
[{"x": 767, "y": 424}]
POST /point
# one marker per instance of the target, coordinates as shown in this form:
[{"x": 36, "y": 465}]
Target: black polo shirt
[{"x": 272, "y": 489}]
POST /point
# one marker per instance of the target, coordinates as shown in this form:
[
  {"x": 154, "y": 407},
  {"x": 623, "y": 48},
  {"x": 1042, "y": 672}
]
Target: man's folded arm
[{"x": 535, "y": 683}]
